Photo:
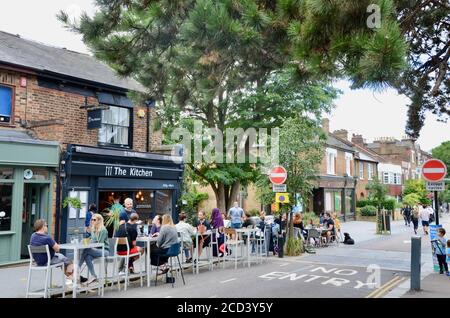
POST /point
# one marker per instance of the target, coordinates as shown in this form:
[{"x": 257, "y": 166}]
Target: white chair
[
  {"x": 214, "y": 245},
  {"x": 262, "y": 247},
  {"x": 48, "y": 291},
  {"x": 126, "y": 258},
  {"x": 231, "y": 242}
]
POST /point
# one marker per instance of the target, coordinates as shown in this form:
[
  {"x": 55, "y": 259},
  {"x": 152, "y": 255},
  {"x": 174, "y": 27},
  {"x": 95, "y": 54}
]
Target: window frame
[
  {"x": 13, "y": 102},
  {"x": 331, "y": 167},
  {"x": 348, "y": 163},
  {"x": 361, "y": 171},
  {"x": 130, "y": 131},
  {"x": 386, "y": 177},
  {"x": 369, "y": 171}
]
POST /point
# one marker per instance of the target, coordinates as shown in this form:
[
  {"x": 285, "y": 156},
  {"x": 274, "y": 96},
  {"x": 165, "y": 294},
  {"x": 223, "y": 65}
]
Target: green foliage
[
  {"x": 377, "y": 192},
  {"x": 193, "y": 199},
  {"x": 308, "y": 216},
  {"x": 411, "y": 199},
  {"x": 73, "y": 202},
  {"x": 418, "y": 187},
  {"x": 390, "y": 204},
  {"x": 363, "y": 202},
  {"x": 442, "y": 152},
  {"x": 369, "y": 210},
  {"x": 112, "y": 217},
  {"x": 293, "y": 246}
]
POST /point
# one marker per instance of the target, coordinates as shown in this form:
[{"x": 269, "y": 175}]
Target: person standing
[
  {"x": 236, "y": 214},
  {"x": 440, "y": 249},
  {"x": 406, "y": 211},
  {"x": 128, "y": 209},
  {"x": 415, "y": 218},
  {"x": 425, "y": 217}
]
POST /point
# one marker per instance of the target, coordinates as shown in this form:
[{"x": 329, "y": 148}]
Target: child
[
  {"x": 448, "y": 254},
  {"x": 440, "y": 251}
]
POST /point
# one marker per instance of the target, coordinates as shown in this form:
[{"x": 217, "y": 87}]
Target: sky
[{"x": 372, "y": 114}]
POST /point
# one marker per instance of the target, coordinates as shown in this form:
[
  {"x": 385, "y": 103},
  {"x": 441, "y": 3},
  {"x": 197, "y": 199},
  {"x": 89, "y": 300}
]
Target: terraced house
[{"x": 69, "y": 129}]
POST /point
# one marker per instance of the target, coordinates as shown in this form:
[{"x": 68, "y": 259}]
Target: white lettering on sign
[{"x": 127, "y": 171}]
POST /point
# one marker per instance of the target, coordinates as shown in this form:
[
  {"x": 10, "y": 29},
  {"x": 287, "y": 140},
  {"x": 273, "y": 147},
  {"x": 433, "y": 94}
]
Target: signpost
[
  {"x": 278, "y": 176},
  {"x": 434, "y": 171},
  {"x": 278, "y": 187}
]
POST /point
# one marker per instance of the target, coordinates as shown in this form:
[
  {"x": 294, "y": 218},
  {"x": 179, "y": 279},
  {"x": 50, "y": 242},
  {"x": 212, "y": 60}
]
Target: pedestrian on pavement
[
  {"x": 415, "y": 218},
  {"x": 406, "y": 211},
  {"x": 425, "y": 217},
  {"x": 236, "y": 214},
  {"x": 440, "y": 248},
  {"x": 430, "y": 212}
]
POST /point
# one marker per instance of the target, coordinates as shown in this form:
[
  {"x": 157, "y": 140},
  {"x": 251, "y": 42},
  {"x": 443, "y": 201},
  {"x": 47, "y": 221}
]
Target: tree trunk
[
  {"x": 220, "y": 198},
  {"x": 233, "y": 194}
]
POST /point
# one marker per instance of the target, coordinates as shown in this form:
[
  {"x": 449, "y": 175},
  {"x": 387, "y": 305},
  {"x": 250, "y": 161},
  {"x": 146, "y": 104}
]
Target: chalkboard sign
[{"x": 94, "y": 119}]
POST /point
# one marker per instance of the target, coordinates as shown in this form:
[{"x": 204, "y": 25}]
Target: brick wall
[{"x": 56, "y": 115}]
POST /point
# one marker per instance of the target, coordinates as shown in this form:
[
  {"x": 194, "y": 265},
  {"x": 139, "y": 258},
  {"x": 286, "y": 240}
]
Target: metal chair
[
  {"x": 262, "y": 247},
  {"x": 315, "y": 235},
  {"x": 214, "y": 244},
  {"x": 48, "y": 291},
  {"x": 173, "y": 251},
  {"x": 126, "y": 258}
]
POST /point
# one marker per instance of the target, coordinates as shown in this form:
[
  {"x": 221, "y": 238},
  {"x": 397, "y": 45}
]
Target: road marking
[
  {"x": 228, "y": 280},
  {"x": 386, "y": 287},
  {"x": 407, "y": 242},
  {"x": 284, "y": 264}
]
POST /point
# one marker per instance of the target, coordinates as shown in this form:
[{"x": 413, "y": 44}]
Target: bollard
[
  {"x": 280, "y": 245},
  {"x": 415, "y": 262}
]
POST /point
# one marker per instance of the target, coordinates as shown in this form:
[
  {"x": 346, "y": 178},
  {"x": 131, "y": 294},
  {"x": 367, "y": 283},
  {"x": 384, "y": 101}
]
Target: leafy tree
[
  {"x": 425, "y": 25},
  {"x": 411, "y": 199},
  {"x": 377, "y": 192},
  {"x": 417, "y": 186},
  {"x": 211, "y": 59},
  {"x": 442, "y": 152}
]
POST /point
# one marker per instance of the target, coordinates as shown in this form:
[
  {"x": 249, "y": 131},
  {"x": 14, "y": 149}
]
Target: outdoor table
[
  {"x": 196, "y": 257},
  {"x": 148, "y": 240},
  {"x": 248, "y": 232},
  {"x": 76, "y": 247}
]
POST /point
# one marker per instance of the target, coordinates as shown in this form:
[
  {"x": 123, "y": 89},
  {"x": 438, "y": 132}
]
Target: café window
[
  {"x": 6, "y": 94},
  {"x": 6, "y": 191},
  {"x": 6, "y": 173},
  {"x": 115, "y": 128}
]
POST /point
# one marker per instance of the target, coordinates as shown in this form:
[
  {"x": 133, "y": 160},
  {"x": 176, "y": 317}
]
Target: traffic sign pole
[{"x": 436, "y": 207}]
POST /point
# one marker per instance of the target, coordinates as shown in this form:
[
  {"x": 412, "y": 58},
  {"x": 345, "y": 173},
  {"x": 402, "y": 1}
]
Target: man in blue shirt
[
  {"x": 236, "y": 214},
  {"x": 126, "y": 212}
]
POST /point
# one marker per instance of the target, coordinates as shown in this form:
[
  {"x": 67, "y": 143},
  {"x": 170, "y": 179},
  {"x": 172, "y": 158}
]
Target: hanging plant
[{"x": 73, "y": 202}]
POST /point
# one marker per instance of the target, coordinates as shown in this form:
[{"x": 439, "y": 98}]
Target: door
[{"x": 35, "y": 206}]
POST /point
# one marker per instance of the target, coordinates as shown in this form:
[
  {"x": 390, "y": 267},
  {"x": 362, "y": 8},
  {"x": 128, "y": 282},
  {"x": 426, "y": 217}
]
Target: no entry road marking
[{"x": 228, "y": 280}]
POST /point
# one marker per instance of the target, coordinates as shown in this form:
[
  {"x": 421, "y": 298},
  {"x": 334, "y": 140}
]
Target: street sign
[
  {"x": 278, "y": 175},
  {"x": 282, "y": 197},
  {"x": 434, "y": 170},
  {"x": 436, "y": 186},
  {"x": 278, "y": 187}
]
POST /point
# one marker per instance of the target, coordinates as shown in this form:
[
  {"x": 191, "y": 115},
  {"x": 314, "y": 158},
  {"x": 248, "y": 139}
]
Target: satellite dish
[{"x": 28, "y": 174}]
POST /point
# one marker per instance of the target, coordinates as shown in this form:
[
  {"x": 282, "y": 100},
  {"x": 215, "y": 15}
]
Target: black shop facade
[{"x": 100, "y": 176}]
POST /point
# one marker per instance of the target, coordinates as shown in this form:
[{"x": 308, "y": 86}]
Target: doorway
[{"x": 35, "y": 206}]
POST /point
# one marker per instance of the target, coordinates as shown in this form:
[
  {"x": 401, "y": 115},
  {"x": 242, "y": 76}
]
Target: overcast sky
[{"x": 359, "y": 111}]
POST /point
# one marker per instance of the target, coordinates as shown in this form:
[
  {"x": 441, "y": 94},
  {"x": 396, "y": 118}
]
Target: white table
[
  {"x": 248, "y": 232},
  {"x": 76, "y": 247},
  {"x": 148, "y": 240}
]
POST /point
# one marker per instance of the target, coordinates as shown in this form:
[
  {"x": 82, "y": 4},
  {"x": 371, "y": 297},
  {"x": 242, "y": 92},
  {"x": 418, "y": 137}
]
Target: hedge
[{"x": 369, "y": 210}]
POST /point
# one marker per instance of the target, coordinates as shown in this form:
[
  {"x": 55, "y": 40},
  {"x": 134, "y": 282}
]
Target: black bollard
[
  {"x": 280, "y": 245},
  {"x": 415, "y": 262}
]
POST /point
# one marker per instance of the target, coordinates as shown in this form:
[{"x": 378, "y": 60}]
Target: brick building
[{"x": 68, "y": 129}]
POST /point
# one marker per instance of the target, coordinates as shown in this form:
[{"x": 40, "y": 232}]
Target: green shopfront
[{"x": 27, "y": 178}]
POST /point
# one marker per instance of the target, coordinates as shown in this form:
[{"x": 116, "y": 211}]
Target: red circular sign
[
  {"x": 434, "y": 170},
  {"x": 278, "y": 175}
]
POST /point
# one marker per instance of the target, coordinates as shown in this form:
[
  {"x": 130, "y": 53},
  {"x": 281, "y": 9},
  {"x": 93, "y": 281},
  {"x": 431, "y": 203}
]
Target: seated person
[
  {"x": 247, "y": 220},
  {"x": 41, "y": 238},
  {"x": 156, "y": 225},
  {"x": 202, "y": 226},
  {"x": 129, "y": 231},
  {"x": 187, "y": 231},
  {"x": 337, "y": 223},
  {"x": 226, "y": 222},
  {"x": 166, "y": 238},
  {"x": 328, "y": 224},
  {"x": 99, "y": 234},
  {"x": 217, "y": 223},
  {"x": 298, "y": 223}
]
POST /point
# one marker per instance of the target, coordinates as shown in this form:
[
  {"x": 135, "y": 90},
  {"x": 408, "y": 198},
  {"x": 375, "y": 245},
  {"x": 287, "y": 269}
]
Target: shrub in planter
[
  {"x": 369, "y": 210},
  {"x": 253, "y": 212},
  {"x": 389, "y": 204}
]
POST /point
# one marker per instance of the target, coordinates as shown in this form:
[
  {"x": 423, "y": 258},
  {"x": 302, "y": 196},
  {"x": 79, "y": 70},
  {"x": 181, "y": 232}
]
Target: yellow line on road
[{"x": 385, "y": 288}]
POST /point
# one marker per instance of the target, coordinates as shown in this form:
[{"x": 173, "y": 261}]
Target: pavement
[{"x": 376, "y": 266}]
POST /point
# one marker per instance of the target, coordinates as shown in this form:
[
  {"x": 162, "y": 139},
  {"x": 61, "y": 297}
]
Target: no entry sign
[
  {"x": 278, "y": 175},
  {"x": 434, "y": 170}
]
